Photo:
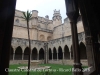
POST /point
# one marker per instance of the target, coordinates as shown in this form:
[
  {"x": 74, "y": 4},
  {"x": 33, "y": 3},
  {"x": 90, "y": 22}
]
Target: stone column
[
  {"x": 73, "y": 14},
  {"x": 13, "y": 56},
  {"x": 96, "y": 53},
  {"x": 70, "y": 56},
  {"x": 63, "y": 56},
  {"x": 89, "y": 48},
  {"x": 37, "y": 56},
  {"x": 52, "y": 56},
  {"x": 31, "y": 56},
  {"x": 76, "y": 51},
  {"x": 46, "y": 53},
  {"x": 22, "y": 56}
]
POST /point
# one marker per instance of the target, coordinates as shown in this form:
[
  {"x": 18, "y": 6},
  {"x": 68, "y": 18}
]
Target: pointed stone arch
[
  {"x": 83, "y": 54},
  {"x": 60, "y": 53},
  {"x": 26, "y": 53},
  {"x": 54, "y": 53},
  {"x": 34, "y": 54},
  {"x": 18, "y": 53},
  {"x": 66, "y": 52},
  {"x": 41, "y": 54},
  {"x": 50, "y": 54},
  {"x": 11, "y": 53},
  {"x": 83, "y": 43}
]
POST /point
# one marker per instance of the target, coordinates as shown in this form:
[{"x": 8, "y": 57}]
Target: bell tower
[
  {"x": 34, "y": 18},
  {"x": 57, "y": 19}
]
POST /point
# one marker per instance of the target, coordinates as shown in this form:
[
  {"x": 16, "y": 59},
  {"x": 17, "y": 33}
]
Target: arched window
[
  {"x": 42, "y": 38},
  {"x": 83, "y": 54},
  {"x": 50, "y": 54},
  {"x": 41, "y": 54},
  {"x": 60, "y": 53},
  {"x": 66, "y": 52},
  {"x": 34, "y": 54},
  {"x": 26, "y": 53},
  {"x": 54, "y": 53},
  {"x": 18, "y": 53}
]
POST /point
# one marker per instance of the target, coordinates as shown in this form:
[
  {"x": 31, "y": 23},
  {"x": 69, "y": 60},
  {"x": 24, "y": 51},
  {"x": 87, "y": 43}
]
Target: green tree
[{"x": 27, "y": 16}]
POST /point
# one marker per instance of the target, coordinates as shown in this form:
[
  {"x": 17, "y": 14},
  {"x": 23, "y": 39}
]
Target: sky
[{"x": 44, "y": 7}]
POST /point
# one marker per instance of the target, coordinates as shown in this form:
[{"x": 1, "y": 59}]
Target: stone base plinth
[{"x": 34, "y": 63}]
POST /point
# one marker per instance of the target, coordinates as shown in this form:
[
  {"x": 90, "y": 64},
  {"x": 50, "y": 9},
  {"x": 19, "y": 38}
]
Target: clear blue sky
[{"x": 44, "y": 7}]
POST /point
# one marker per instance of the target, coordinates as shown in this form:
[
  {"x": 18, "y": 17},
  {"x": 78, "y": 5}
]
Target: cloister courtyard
[
  {"x": 55, "y": 54},
  {"x": 58, "y": 51}
]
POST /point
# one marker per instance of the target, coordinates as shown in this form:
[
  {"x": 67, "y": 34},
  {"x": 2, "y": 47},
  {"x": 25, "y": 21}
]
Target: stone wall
[
  {"x": 65, "y": 41},
  {"x": 22, "y": 61},
  {"x": 42, "y": 25},
  {"x": 63, "y": 62},
  {"x": 68, "y": 62},
  {"x": 23, "y": 43},
  {"x": 63, "y": 30}
]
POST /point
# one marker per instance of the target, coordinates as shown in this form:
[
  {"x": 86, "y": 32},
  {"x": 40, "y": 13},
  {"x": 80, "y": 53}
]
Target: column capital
[
  {"x": 88, "y": 39},
  {"x": 45, "y": 44},
  {"x": 72, "y": 10}
]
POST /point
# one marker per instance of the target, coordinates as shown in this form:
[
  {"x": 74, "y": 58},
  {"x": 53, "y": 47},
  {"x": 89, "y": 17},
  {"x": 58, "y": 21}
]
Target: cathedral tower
[
  {"x": 57, "y": 19},
  {"x": 34, "y": 18}
]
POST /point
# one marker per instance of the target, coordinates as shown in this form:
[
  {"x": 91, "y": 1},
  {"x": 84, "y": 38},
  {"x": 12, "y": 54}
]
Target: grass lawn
[{"x": 57, "y": 70}]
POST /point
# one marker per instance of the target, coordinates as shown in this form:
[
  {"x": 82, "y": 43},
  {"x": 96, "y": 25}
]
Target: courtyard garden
[{"x": 55, "y": 69}]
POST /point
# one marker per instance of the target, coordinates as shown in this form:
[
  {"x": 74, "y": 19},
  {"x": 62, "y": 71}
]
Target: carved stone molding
[{"x": 88, "y": 39}]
